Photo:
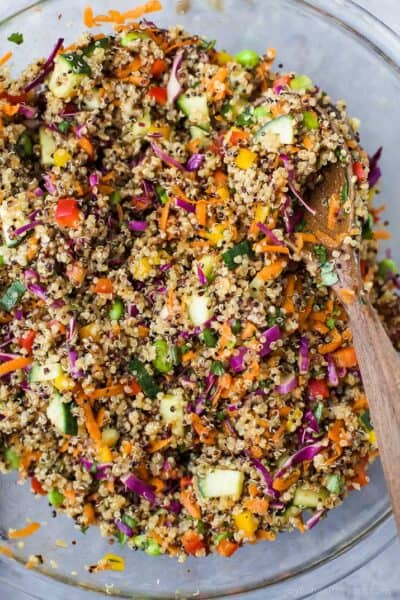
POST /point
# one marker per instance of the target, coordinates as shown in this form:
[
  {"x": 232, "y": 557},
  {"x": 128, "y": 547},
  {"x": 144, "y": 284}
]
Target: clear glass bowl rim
[{"x": 381, "y": 39}]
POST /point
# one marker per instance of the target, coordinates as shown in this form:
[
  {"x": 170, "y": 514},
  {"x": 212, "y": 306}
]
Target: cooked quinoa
[{"x": 172, "y": 369}]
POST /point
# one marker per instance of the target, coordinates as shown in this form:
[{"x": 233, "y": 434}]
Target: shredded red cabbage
[
  {"x": 6, "y": 356},
  {"x": 375, "y": 172},
  {"x": 306, "y": 453},
  {"x": 134, "y": 484},
  {"x": 316, "y": 517},
  {"x": 49, "y": 185},
  {"x": 71, "y": 328},
  {"x": 80, "y": 131},
  {"x": 304, "y": 359},
  {"x": 34, "y": 288},
  {"x": 291, "y": 183},
  {"x": 126, "y": 530},
  {"x": 266, "y": 476},
  {"x": 137, "y": 225},
  {"x": 201, "y": 276},
  {"x": 39, "y": 192},
  {"x": 291, "y": 218},
  {"x": 236, "y": 362},
  {"x": 31, "y": 274},
  {"x": 74, "y": 372},
  {"x": 188, "y": 206},
  {"x": 174, "y": 88},
  {"x": 270, "y": 335},
  {"x": 94, "y": 179},
  {"x": 174, "y": 506},
  {"x": 277, "y": 505},
  {"x": 29, "y": 112},
  {"x": 288, "y": 385},
  {"x": 269, "y": 234},
  {"x": 172, "y": 162},
  {"x": 195, "y": 162},
  {"x": 25, "y": 228},
  {"x": 332, "y": 373},
  {"x": 47, "y": 67}
]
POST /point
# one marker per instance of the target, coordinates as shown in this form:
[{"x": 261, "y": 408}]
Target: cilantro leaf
[{"x": 16, "y": 38}]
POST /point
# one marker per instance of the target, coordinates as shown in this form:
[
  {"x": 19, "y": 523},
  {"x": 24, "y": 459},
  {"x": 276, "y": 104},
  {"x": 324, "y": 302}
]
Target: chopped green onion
[
  {"x": 162, "y": 194},
  {"x": 201, "y": 528},
  {"x": 152, "y": 548},
  {"x": 145, "y": 379},
  {"x": 12, "y": 458},
  {"x": 321, "y": 253},
  {"x": 334, "y": 484},
  {"x": 116, "y": 310},
  {"x": 163, "y": 362},
  {"x": 209, "y": 337},
  {"x": 208, "y": 45},
  {"x": 387, "y": 266},
  {"x": 2, "y": 263},
  {"x": 132, "y": 36},
  {"x": 221, "y": 536},
  {"x": 217, "y": 368},
  {"x": 344, "y": 192},
  {"x": 367, "y": 228},
  {"x": 12, "y": 296},
  {"x": 121, "y": 538},
  {"x": 55, "y": 497},
  {"x": 246, "y": 117},
  {"x": 236, "y": 326},
  {"x": 115, "y": 198},
  {"x": 64, "y": 126},
  {"x": 130, "y": 521},
  {"x": 241, "y": 249},
  {"x": 331, "y": 323},
  {"x": 247, "y": 58},
  {"x": 24, "y": 146}
]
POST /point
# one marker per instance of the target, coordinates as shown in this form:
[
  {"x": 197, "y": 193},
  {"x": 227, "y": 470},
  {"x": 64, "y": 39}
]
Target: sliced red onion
[
  {"x": 332, "y": 373},
  {"x": 270, "y": 335},
  {"x": 306, "y": 453},
  {"x": 342, "y": 372},
  {"x": 94, "y": 179},
  {"x": 195, "y": 162},
  {"x": 201, "y": 276},
  {"x": 34, "y": 288},
  {"x": 166, "y": 267},
  {"x": 137, "y": 225},
  {"x": 316, "y": 517},
  {"x": 30, "y": 112},
  {"x": 269, "y": 234},
  {"x": 134, "y": 484},
  {"x": 47, "y": 67},
  {"x": 236, "y": 362},
  {"x": 49, "y": 185},
  {"x": 188, "y": 206},
  {"x": 174, "y": 506},
  {"x": 174, "y": 88},
  {"x": 375, "y": 172},
  {"x": 310, "y": 421},
  {"x": 288, "y": 384},
  {"x": 169, "y": 160},
  {"x": 257, "y": 464},
  {"x": 25, "y": 228},
  {"x": 126, "y": 530},
  {"x": 291, "y": 183},
  {"x": 304, "y": 359},
  {"x": 31, "y": 274}
]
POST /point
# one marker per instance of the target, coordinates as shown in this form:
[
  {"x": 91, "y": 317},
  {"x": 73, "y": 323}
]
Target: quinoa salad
[{"x": 171, "y": 369}]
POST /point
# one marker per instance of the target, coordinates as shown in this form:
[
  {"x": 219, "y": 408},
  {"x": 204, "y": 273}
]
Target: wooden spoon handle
[{"x": 380, "y": 371}]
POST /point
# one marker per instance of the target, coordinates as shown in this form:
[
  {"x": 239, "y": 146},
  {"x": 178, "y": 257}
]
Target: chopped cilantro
[
  {"x": 217, "y": 368},
  {"x": 367, "y": 228},
  {"x": 331, "y": 323},
  {"x": 321, "y": 253},
  {"x": 16, "y": 38}
]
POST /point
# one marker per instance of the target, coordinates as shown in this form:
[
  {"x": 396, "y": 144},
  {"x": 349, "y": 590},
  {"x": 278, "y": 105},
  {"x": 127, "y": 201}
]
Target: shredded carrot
[
  {"x": 253, "y": 490},
  {"x": 252, "y": 372},
  {"x": 289, "y": 291},
  {"x": 14, "y": 364},
  {"x": 347, "y": 296},
  {"x": 143, "y": 331},
  {"x": 88, "y": 17},
  {"x": 106, "y": 392},
  {"x": 226, "y": 336},
  {"x": 159, "y": 486},
  {"x": 164, "y": 217},
  {"x": 266, "y": 535},
  {"x": 281, "y": 484},
  {"x": 304, "y": 238},
  {"x": 333, "y": 345},
  {"x": 361, "y": 403},
  {"x": 171, "y": 301},
  {"x": 361, "y": 477},
  {"x": 188, "y": 356},
  {"x": 5, "y": 58},
  {"x": 334, "y": 207},
  {"x": 15, "y": 534},
  {"x": 89, "y": 514},
  {"x": 226, "y": 547},
  {"x": 279, "y": 433},
  {"x": 9, "y": 109},
  {"x": 320, "y": 327},
  {"x": 336, "y": 431},
  {"x": 126, "y": 447},
  {"x": 28, "y": 458},
  {"x": 308, "y": 143},
  {"x": 87, "y": 146},
  {"x": 6, "y": 551},
  {"x": 345, "y": 357},
  {"x": 70, "y": 494},
  {"x": 180, "y": 44},
  {"x": 158, "y": 445},
  {"x": 381, "y": 235},
  {"x": 139, "y": 11},
  {"x": 201, "y": 212},
  {"x": 264, "y": 246},
  {"x": 272, "y": 271},
  {"x": 188, "y": 501},
  {"x": 90, "y": 421}
]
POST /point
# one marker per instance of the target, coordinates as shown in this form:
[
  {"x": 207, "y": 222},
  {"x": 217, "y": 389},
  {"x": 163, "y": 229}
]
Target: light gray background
[{"x": 380, "y": 579}]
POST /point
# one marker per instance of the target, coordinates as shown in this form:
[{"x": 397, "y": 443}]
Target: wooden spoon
[{"x": 378, "y": 361}]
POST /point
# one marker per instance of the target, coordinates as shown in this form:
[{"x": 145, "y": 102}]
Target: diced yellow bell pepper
[
  {"x": 141, "y": 269},
  {"x": 224, "y": 57},
  {"x": 104, "y": 454},
  {"x": 113, "y": 562},
  {"x": 223, "y": 193},
  {"x": 294, "y": 420},
  {"x": 61, "y": 157},
  {"x": 216, "y": 233},
  {"x": 165, "y": 130},
  {"x": 89, "y": 331},
  {"x": 245, "y": 158},
  {"x": 246, "y": 522},
  {"x": 261, "y": 213},
  {"x": 64, "y": 383},
  {"x": 372, "y": 437}
]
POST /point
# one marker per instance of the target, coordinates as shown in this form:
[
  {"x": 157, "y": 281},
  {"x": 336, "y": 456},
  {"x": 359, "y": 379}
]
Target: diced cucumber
[
  {"x": 63, "y": 81},
  {"x": 198, "y": 133},
  {"x": 12, "y": 458},
  {"x": 49, "y": 372},
  {"x": 309, "y": 498},
  {"x": 195, "y": 108},
  {"x": 291, "y": 511},
  {"x": 92, "y": 101},
  {"x": 141, "y": 126},
  {"x": 172, "y": 407},
  {"x": 60, "y": 415},
  {"x": 221, "y": 482},
  {"x": 198, "y": 308},
  {"x": 132, "y": 36},
  {"x": 209, "y": 265},
  {"x": 282, "y": 127},
  {"x": 55, "y": 498},
  {"x": 334, "y": 484},
  {"x": 12, "y": 216},
  {"x": 47, "y": 146}
]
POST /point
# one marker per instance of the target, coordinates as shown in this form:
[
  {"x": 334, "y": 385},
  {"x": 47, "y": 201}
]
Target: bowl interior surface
[{"x": 308, "y": 40}]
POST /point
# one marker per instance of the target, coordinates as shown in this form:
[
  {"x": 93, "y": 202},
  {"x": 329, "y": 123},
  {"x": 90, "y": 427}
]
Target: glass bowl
[{"x": 350, "y": 54}]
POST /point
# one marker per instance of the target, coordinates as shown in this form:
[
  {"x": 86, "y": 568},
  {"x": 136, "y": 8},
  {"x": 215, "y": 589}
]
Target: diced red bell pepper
[
  {"x": 158, "y": 67},
  {"x": 358, "y": 171},
  {"x": 37, "y": 487},
  {"x": 67, "y": 212},
  {"x": 318, "y": 388},
  {"x": 26, "y": 340},
  {"x": 104, "y": 286},
  {"x": 192, "y": 542},
  {"x": 159, "y": 94}
]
